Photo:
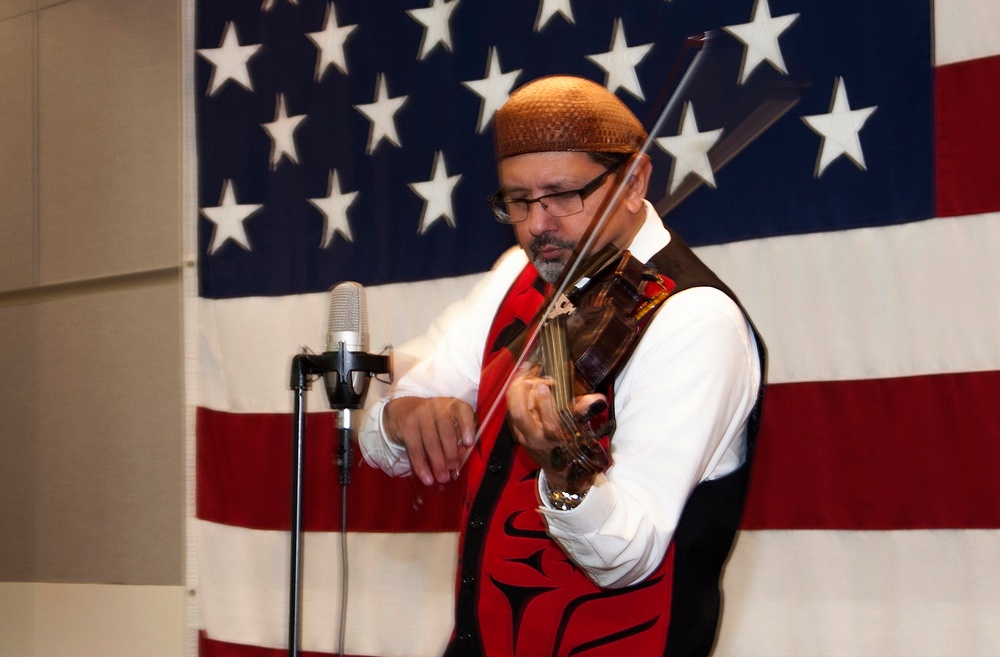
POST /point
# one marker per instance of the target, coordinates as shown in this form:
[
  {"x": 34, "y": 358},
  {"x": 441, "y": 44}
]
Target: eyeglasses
[{"x": 558, "y": 204}]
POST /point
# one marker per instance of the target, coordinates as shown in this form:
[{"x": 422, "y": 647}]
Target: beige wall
[{"x": 91, "y": 381}]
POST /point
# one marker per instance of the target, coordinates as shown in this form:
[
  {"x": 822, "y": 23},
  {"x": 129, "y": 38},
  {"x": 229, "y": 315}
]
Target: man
[{"x": 621, "y": 562}]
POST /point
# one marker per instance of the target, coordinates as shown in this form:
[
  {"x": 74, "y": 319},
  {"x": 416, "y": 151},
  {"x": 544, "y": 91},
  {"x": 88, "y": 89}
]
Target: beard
[{"x": 548, "y": 269}]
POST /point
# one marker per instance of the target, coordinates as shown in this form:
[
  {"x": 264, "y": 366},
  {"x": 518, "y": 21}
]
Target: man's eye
[{"x": 561, "y": 198}]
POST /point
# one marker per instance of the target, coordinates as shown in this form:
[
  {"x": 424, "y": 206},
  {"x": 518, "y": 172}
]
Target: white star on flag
[
  {"x": 382, "y": 115},
  {"x": 437, "y": 194},
  {"x": 334, "y": 207},
  {"x": 549, "y": 8},
  {"x": 690, "y": 149},
  {"x": 619, "y": 63},
  {"x": 330, "y": 43},
  {"x": 494, "y": 89},
  {"x": 282, "y": 133},
  {"x": 839, "y": 129},
  {"x": 435, "y": 21},
  {"x": 228, "y": 218},
  {"x": 229, "y": 61},
  {"x": 760, "y": 36}
]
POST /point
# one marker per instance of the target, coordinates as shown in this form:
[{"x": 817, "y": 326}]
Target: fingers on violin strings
[
  {"x": 520, "y": 410},
  {"x": 547, "y": 412}
]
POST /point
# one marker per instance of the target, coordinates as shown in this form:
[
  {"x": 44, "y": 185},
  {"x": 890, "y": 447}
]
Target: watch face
[{"x": 564, "y": 501}]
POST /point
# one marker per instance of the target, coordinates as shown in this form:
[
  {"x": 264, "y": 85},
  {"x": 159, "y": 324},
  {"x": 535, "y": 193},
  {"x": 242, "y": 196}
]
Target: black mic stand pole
[{"x": 302, "y": 367}]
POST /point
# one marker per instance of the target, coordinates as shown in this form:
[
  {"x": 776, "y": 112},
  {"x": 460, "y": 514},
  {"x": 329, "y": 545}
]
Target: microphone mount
[{"x": 342, "y": 364}]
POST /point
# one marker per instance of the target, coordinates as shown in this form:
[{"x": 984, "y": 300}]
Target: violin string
[
  {"x": 563, "y": 388},
  {"x": 553, "y": 342}
]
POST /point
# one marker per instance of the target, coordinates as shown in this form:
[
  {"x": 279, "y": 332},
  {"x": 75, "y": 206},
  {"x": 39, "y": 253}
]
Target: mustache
[{"x": 542, "y": 241}]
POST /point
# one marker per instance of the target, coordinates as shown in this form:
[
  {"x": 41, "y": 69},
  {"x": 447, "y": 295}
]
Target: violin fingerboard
[{"x": 556, "y": 360}]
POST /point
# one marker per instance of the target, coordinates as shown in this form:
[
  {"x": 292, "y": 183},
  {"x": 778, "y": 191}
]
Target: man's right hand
[{"x": 438, "y": 433}]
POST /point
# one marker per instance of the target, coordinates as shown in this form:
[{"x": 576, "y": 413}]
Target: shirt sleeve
[
  {"x": 681, "y": 407},
  {"x": 453, "y": 367}
]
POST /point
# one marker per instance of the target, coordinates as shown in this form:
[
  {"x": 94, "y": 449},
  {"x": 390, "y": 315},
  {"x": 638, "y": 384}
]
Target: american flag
[{"x": 351, "y": 140}]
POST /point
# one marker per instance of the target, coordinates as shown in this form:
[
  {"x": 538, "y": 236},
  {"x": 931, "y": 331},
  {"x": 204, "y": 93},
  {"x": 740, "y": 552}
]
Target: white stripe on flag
[
  {"x": 244, "y": 589},
  {"x": 905, "y": 300},
  {"x": 914, "y": 299},
  {"x": 837, "y": 593},
  {"x": 787, "y": 593},
  {"x": 965, "y": 29},
  {"x": 246, "y": 344}
]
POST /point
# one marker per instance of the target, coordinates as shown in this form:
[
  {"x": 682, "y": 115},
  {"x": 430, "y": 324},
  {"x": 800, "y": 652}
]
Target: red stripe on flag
[
  {"x": 907, "y": 453},
  {"x": 903, "y": 453},
  {"x": 244, "y": 474},
  {"x": 967, "y": 104}
]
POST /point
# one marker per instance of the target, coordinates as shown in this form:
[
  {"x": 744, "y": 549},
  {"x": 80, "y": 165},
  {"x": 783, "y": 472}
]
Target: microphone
[
  {"x": 347, "y": 367},
  {"x": 347, "y": 332}
]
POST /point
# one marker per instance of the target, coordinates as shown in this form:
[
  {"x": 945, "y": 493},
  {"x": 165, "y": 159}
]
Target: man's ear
[{"x": 638, "y": 183}]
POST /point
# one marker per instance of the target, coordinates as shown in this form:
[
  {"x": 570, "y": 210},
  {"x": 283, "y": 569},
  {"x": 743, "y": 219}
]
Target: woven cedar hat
[{"x": 565, "y": 113}]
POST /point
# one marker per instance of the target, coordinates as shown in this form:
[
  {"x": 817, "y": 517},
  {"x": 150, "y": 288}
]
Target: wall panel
[
  {"x": 110, "y": 480},
  {"x": 18, "y": 434},
  {"x": 17, "y": 147},
  {"x": 9, "y": 8},
  {"x": 109, "y": 140}
]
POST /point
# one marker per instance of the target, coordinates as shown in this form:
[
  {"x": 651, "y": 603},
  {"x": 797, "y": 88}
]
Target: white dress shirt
[{"x": 681, "y": 405}]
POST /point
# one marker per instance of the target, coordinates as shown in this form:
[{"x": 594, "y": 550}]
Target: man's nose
[{"x": 540, "y": 221}]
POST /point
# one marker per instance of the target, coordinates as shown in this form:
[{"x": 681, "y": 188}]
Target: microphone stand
[
  {"x": 342, "y": 398},
  {"x": 302, "y": 368}
]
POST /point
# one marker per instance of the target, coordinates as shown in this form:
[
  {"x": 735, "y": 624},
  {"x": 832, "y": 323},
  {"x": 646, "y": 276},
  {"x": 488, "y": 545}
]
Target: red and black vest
[{"x": 518, "y": 594}]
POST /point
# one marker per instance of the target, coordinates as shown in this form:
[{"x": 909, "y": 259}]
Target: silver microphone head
[{"x": 348, "y": 318}]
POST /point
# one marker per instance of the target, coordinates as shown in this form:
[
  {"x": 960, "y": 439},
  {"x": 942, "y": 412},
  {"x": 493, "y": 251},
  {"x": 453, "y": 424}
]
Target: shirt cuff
[{"x": 378, "y": 449}]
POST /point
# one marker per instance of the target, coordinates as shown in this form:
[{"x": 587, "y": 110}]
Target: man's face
[{"x": 549, "y": 241}]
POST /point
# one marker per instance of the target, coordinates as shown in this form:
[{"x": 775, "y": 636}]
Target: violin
[{"x": 585, "y": 341}]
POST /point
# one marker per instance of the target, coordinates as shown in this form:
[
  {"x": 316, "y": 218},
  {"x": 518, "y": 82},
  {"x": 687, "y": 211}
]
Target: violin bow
[{"x": 772, "y": 97}]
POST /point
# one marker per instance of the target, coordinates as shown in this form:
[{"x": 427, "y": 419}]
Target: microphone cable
[{"x": 342, "y": 639}]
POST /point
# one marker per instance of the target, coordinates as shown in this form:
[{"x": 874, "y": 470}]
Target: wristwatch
[{"x": 563, "y": 501}]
